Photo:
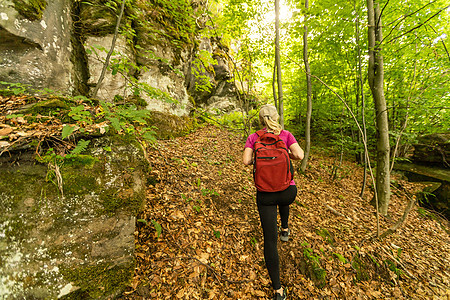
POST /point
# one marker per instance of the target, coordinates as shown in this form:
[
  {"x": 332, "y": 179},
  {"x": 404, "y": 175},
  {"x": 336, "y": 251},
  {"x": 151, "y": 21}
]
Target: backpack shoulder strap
[{"x": 260, "y": 133}]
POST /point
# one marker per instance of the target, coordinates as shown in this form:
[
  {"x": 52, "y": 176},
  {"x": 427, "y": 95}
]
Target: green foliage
[
  {"x": 324, "y": 233},
  {"x": 206, "y": 192},
  {"x": 75, "y": 155},
  {"x": 13, "y": 88},
  {"x": 341, "y": 258},
  {"x": 201, "y": 66},
  {"x": 143, "y": 221},
  {"x": 413, "y": 41},
  {"x": 158, "y": 227},
  {"x": 81, "y": 115},
  {"x": 67, "y": 131},
  {"x": 169, "y": 20},
  {"x": 426, "y": 214},
  {"x": 313, "y": 260},
  {"x": 125, "y": 119}
]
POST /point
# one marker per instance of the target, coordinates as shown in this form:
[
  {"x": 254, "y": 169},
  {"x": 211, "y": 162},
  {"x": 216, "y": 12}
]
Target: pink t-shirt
[{"x": 287, "y": 137}]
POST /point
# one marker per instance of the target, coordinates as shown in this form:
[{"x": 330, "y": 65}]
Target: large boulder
[
  {"x": 68, "y": 231},
  {"x": 35, "y": 48},
  {"x": 433, "y": 149}
]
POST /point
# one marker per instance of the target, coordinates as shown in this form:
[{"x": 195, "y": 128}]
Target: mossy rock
[
  {"x": 47, "y": 106},
  {"x": 170, "y": 126},
  {"x": 76, "y": 246},
  {"x": 94, "y": 281},
  {"x": 30, "y": 9}
]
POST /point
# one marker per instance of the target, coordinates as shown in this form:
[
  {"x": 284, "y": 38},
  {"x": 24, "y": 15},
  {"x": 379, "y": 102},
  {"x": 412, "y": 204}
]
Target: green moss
[
  {"x": 50, "y": 105},
  {"x": 170, "y": 126},
  {"x": 76, "y": 182},
  {"x": 326, "y": 235},
  {"x": 126, "y": 199},
  {"x": 30, "y": 9},
  {"x": 81, "y": 160},
  {"x": 311, "y": 266},
  {"x": 361, "y": 269},
  {"x": 98, "y": 280}
]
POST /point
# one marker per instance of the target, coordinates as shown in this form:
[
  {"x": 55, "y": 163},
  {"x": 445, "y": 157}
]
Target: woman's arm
[
  {"x": 248, "y": 156},
  {"x": 295, "y": 152}
]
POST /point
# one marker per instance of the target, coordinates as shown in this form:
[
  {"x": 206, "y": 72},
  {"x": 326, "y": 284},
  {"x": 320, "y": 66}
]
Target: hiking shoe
[
  {"x": 277, "y": 296},
  {"x": 285, "y": 235}
]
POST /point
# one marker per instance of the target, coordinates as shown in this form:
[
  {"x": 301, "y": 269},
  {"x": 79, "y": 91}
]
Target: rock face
[
  {"x": 37, "y": 52},
  {"x": 64, "y": 49},
  {"x": 437, "y": 195},
  {"x": 74, "y": 242},
  {"x": 433, "y": 149}
]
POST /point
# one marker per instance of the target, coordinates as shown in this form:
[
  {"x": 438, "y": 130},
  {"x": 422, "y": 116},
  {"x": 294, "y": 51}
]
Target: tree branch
[
  {"x": 418, "y": 26},
  {"x": 404, "y": 17},
  {"x": 442, "y": 41}
]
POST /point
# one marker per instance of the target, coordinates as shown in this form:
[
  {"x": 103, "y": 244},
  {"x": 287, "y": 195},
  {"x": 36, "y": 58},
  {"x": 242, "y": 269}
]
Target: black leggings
[{"x": 267, "y": 208}]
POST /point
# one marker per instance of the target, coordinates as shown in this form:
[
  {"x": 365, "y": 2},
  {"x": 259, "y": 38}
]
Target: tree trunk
[
  {"x": 278, "y": 62},
  {"x": 274, "y": 88},
  {"x": 360, "y": 91},
  {"x": 376, "y": 81},
  {"x": 308, "y": 96},
  {"x": 108, "y": 56}
]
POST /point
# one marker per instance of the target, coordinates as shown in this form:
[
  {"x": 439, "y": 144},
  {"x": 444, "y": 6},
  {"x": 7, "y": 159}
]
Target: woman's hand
[
  {"x": 247, "y": 157},
  {"x": 295, "y": 152}
]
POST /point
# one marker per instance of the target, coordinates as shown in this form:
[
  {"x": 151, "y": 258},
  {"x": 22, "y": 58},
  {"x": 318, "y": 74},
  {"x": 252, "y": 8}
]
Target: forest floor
[{"x": 199, "y": 236}]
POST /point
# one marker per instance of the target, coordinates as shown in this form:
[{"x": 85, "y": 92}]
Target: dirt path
[{"x": 199, "y": 236}]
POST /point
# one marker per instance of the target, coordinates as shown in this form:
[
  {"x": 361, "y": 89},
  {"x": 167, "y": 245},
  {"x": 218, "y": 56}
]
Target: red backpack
[{"x": 272, "y": 169}]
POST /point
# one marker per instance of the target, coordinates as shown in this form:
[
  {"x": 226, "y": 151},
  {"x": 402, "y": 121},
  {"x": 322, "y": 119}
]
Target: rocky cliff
[
  {"x": 66, "y": 229},
  {"x": 158, "y": 56}
]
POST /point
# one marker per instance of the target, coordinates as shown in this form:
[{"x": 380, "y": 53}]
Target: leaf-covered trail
[{"x": 210, "y": 242}]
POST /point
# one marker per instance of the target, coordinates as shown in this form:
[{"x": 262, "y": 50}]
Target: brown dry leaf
[{"x": 5, "y": 131}]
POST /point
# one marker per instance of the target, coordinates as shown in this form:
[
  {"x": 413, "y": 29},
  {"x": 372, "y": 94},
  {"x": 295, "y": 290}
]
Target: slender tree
[
  {"x": 308, "y": 93},
  {"x": 278, "y": 62},
  {"x": 376, "y": 82},
  {"x": 108, "y": 56},
  {"x": 274, "y": 87},
  {"x": 360, "y": 92}
]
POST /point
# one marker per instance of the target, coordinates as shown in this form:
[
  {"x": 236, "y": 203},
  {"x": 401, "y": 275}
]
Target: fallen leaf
[{"x": 5, "y": 131}]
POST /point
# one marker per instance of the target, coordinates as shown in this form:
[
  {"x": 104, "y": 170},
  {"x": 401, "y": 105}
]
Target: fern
[{"x": 81, "y": 146}]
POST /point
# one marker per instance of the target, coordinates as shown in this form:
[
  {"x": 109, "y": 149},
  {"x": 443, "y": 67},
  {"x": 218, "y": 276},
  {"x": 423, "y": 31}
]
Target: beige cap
[{"x": 268, "y": 110}]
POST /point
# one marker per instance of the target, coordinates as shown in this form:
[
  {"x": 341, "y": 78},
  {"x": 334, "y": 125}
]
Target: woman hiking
[{"x": 268, "y": 201}]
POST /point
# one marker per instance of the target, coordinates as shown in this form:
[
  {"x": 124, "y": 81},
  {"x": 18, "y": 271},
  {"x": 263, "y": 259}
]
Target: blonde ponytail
[{"x": 268, "y": 117}]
